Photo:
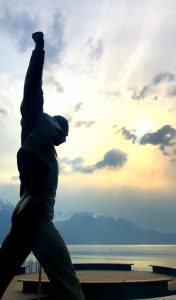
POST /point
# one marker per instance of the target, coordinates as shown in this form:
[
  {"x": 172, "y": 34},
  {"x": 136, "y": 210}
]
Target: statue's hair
[{"x": 63, "y": 122}]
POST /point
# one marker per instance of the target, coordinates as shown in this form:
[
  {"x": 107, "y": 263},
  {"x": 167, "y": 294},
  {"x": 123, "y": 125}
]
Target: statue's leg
[
  {"x": 51, "y": 251},
  {"x": 13, "y": 252},
  {"x": 18, "y": 243}
]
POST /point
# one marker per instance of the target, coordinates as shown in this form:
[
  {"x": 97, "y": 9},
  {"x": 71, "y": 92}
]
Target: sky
[{"x": 110, "y": 68}]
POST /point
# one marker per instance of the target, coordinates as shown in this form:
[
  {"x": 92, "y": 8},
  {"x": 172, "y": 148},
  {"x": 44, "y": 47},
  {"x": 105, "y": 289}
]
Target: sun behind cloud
[{"x": 142, "y": 127}]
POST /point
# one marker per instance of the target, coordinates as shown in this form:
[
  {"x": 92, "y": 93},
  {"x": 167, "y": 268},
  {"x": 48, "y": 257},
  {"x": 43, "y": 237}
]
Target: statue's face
[{"x": 60, "y": 138}]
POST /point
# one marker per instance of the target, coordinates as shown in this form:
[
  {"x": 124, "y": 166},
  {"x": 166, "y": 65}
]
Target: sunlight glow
[{"x": 142, "y": 127}]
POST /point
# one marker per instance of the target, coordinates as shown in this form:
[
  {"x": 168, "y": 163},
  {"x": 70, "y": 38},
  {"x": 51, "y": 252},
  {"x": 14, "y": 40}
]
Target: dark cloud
[
  {"x": 19, "y": 26},
  {"x": 86, "y": 124},
  {"x": 84, "y": 169},
  {"x": 55, "y": 42},
  {"x": 113, "y": 159},
  {"x": 163, "y": 137},
  {"x": 164, "y": 151},
  {"x": 51, "y": 81},
  {"x": 96, "y": 49},
  {"x": 147, "y": 89},
  {"x": 164, "y": 76},
  {"x": 3, "y": 112},
  {"x": 127, "y": 134},
  {"x": 142, "y": 94}
]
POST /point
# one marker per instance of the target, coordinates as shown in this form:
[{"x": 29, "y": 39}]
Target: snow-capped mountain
[
  {"x": 6, "y": 209},
  {"x": 90, "y": 228},
  {"x": 5, "y": 205}
]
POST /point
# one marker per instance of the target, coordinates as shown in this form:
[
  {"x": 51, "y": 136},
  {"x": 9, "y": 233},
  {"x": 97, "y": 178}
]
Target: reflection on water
[{"x": 140, "y": 255}]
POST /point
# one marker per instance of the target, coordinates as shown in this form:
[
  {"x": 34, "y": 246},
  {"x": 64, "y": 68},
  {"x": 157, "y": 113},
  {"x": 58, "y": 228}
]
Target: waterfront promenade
[{"x": 89, "y": 277}]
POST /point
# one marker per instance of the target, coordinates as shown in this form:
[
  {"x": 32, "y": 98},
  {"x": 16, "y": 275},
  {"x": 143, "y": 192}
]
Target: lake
[{"x": 140, "y": 255}]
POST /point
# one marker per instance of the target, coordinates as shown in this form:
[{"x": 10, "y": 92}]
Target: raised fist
[{"x": 38, "y": 39}]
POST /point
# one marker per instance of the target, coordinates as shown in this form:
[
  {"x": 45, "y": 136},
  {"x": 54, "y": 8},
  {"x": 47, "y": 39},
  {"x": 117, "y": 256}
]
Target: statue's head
[{"x": 61, "y": 137}]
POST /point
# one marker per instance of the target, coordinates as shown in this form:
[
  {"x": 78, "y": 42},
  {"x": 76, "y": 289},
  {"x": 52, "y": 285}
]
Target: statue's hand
[{"x": 38, "y": 39}]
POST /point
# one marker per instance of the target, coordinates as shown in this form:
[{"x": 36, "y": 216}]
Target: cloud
[
  {"x": 74, "y": 109},
  {"x": 113, "y": 159},
  {"x": 76, "y": 165},
  {"x": 19, "y": 26},
  {"x": 172, "y": 92},
  {"x": 113, "y": 93},
  {"x": 147, "y": 89},
  {"x": 96, "y": 49},
  {"x": 78, "y": 107},
  {"x": 51, "y": 81},
  {"x": 142, "y": 94},
  {"x": 163, "y": 137},
  {"x": 86, "y": 124},
  {"x": 165, "y": 76},
  {"x": 3, "y": 112},
  {"x": 165, "y": 152},
  {"x": 128, "y": 135},
  {"x": 15, "y": 178},
  {"x": 55, "y": 41}
]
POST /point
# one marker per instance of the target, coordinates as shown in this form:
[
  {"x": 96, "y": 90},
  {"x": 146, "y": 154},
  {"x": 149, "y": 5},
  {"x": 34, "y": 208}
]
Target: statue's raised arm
[{"x": 32, "y": 103}]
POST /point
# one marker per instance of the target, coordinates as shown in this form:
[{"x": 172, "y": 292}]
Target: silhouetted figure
[{"x": 32, "y": 227}]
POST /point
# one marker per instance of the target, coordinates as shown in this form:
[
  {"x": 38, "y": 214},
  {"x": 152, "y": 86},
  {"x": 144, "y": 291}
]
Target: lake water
[{"x": 140, "y": 255}]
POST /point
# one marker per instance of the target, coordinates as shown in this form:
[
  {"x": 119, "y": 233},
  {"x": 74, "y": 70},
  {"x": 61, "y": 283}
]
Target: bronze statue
[{"x": 32, "y": 227}]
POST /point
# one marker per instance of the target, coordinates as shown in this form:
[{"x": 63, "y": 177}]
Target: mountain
[
  {"x": 93, "y": 229},
  {"x": 88, "y": 228},
  {"x": 6, "y": 210}
]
